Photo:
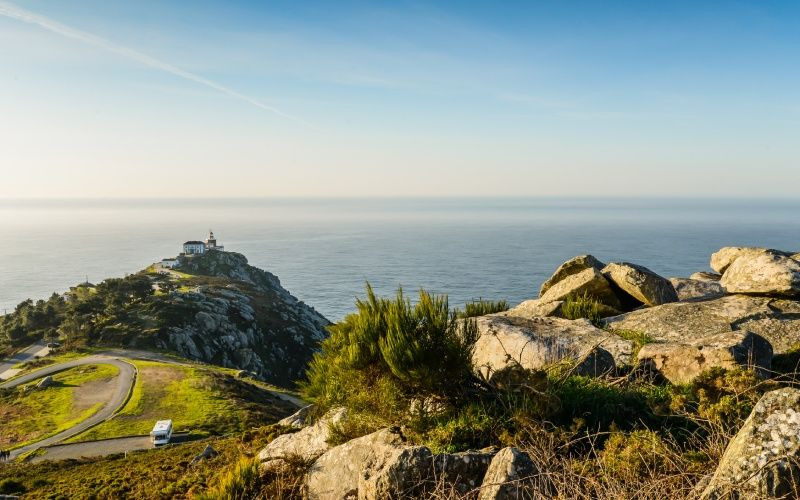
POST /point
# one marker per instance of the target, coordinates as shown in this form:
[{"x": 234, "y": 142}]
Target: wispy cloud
[{"x": 12, "y": 11}]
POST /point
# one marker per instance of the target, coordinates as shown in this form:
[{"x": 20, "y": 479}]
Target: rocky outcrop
[
  {"x": 238, "y": 316},
  {"x": 510, "y": 342},
  {"x": 682, "y": 362},
  {"x": 207, "y": 453},
  {"x": 640, "y": 283},
  {"x": 535, "y": 307},
  {"x": 298, "y": 419},
  {"x": 570, "y": 267},
  {"x": 763, "y": 273},
  {"x": 382, "y": 466},
  {"x": 307, "y": 444},
  {"x": 763, "y": 459},
  {"x": 705, "y": 276},
  {"x": 588, "y": 282},
  {"x": 509, "y": 477},
  {"x": 45, "y": 382},
  {"x": 725, "y": 256},
  {"x": 774, "y": 319},
  {"x": 694, "y": 289}
]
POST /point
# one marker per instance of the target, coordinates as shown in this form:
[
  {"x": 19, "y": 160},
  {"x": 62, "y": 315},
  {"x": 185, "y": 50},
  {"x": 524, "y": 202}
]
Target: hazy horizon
[{"x": 245, "y": 99}]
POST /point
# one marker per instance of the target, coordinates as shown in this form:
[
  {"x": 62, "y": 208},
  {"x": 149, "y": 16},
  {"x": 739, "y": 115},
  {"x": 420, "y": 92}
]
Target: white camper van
[{"x": 162, "y": 432}]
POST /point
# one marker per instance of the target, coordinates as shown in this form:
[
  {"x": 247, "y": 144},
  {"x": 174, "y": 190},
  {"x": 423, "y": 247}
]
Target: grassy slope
[
  {"x": 158, "y": 473},
  {"x": 197, "y": 399},
  {"x": 53, "y": 408}
]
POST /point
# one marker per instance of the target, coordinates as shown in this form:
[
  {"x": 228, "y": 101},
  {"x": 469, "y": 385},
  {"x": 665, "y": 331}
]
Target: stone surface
[
  {"x": 725, "y": 256},
  {"x": 534, "y": 343},
  {"x": 535, "y": 308},
  {"x": 762, "y": 460},
  {"x": 776, "y": 320},
  {"x": 570, "y": 267},
  {"x": 587, "y": 282},
  {"x": 765, "y": 273},
  {"x": 692, "y": 289},
  {"x": 298, "y": 419},
  {"x": 682, "y": 362},
  {"x": 208, "y": 452},
  {"x": 382, "y": 466},
  {"x": 640, "y": 283},
  {"x": 45, "y": 382},
  {"x": 509, "y": 476},
  {"x": 705, "y": 276},
  {"x": 308, "y": 443}
]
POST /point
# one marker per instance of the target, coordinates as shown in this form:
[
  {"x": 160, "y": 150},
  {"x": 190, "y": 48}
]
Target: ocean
[{"x": 324, "y": 251}]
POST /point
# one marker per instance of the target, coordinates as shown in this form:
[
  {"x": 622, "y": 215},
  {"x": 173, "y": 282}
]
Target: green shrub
[
  {"x": 482, "y": 307},
  {"x": 722, "y": 397},
  {"x": 586, "y": 307},
  {"x": 240, "y": 482},
  {"x": 642, "y": 453},
  {"x": 378, "y": 358},
  {"x": 11, "y": 487}
]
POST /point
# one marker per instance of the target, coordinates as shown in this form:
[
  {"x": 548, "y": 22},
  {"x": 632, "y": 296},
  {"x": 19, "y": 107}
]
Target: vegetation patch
[
  {"x": 198, "y": 399},
  {"x": 158, "y": 473},
  {"x": 30, "y": 414}
]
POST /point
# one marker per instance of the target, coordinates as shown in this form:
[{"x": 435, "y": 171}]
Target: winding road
[{"x": 124, "y": 385}]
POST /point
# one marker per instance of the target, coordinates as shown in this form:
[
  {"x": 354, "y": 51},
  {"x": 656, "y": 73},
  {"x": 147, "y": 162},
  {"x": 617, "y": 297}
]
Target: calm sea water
[{"x": 325, "y": 250}]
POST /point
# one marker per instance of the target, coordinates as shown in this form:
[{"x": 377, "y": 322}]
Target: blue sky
[{"x": 399, "y": 99}]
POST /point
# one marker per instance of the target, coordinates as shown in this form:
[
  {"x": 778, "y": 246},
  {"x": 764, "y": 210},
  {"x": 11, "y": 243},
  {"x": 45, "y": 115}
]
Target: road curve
[
  {"x": 125, "y": 381},
  {"x": 38, "y": 348}
]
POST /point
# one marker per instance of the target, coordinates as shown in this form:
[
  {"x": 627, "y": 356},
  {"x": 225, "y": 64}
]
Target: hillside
[{"x": 214, "y": 307}]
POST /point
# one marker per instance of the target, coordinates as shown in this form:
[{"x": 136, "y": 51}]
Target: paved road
[
  {"x": 103, "y": 447},
  {"x": 7, "y": 370},
  {"x": 125, "y": 380}
]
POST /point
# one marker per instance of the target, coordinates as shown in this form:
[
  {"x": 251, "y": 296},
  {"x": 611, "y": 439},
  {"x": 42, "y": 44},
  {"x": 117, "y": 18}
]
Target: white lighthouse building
[{"x": 194, "y": 247}]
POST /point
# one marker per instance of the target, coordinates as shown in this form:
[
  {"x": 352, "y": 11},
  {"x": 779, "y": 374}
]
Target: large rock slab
[
  {"x": 535, "y": 308},
  {"x": 570, "y": 267},
  {"x": 589, "y": 282},
  {"x": 308, "y": 443},
  {"x": 724, "y": 257},
  {"x": 682, "y": 362},
  {"x": 509, "y": 477},
  {"x": 776, "y": 320},
  {"x": 640, "y": 283},
  {"x": 763, "y": 459},
  {"x": 765, "y": 273},
  {"x": 507, "y": 342},
  {"x": 692, "y": 289},
  {"x": 382, "y": 466}
]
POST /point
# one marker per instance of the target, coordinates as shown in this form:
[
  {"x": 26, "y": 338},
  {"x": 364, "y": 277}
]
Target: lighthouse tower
[{"x": 211, "y": 242}]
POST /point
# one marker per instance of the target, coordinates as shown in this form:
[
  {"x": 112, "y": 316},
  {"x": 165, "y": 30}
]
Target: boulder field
[{"x": 741, "y": 315}]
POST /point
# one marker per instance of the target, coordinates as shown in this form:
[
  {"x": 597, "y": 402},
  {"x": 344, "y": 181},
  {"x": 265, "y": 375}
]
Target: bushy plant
[
  {"x": 483, "y": 307},
  {"x": 585, "y": 306},
  {"x": 393, "y": 349},
  {"x": 642, "y": 453}
]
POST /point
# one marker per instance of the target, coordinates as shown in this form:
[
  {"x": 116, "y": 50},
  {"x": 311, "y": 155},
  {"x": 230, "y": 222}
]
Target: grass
[
  {"x": 54, "y": 408},
  {"x": 158, "y": 473},
  {"x": 586, "y": 307},
  {"x": 198, "y": 399}
]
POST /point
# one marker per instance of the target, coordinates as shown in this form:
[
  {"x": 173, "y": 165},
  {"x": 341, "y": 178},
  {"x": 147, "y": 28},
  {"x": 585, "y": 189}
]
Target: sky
[{"x": 195, "y": 99}]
